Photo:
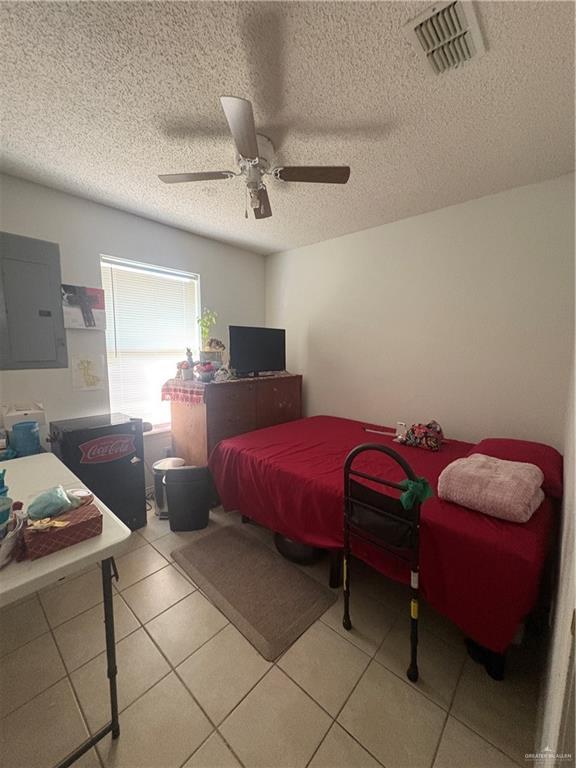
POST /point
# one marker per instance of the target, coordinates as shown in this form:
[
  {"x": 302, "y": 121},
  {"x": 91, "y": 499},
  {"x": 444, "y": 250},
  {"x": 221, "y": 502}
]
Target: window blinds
[{"x": 151, "y": 317}]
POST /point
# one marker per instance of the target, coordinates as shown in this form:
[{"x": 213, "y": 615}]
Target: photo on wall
[{"x": 83, "y": 307}]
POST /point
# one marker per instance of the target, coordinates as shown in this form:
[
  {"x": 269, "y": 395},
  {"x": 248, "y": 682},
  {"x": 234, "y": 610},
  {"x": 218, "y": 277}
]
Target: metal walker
[{"x": 382, "y": 521}]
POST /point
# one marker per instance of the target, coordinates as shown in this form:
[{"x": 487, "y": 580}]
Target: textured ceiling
[{"x": 98, "y": 98}]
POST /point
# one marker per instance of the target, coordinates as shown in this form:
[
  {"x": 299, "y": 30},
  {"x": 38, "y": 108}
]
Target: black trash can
[{"x": 189, "y": 497}]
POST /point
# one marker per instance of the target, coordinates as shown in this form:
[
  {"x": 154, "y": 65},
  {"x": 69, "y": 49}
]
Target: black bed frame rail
[{"x": 409, "y": 554}]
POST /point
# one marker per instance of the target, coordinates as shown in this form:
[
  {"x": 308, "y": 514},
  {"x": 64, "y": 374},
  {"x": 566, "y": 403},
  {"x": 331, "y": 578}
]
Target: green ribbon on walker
[{"x": 416, "y": 490}]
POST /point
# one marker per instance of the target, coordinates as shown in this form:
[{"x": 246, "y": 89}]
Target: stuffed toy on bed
[{"x": 428, "y": 436}]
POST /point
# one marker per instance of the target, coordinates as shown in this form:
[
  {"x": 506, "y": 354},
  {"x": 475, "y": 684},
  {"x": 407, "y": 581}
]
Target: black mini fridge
[{"x": 107, "y": 453}]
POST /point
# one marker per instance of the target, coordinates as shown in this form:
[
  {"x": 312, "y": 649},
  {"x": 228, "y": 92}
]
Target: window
[{"x": 151, "y": 317}]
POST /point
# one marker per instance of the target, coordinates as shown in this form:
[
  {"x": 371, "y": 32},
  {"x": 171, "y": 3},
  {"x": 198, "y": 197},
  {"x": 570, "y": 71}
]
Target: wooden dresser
[{"x": 230, "y": 408}]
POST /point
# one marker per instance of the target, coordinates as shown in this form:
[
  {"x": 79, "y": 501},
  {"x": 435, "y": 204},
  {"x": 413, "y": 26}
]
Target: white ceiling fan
[{"x": 254, "y": 159}]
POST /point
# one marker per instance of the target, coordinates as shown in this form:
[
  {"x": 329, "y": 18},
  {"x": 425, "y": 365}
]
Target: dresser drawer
[
  {"x": 231, "y": 411},
  {"x": 278, "y": 400},
  {"x": 229, "y": 395},
  {"x": 233, "y": 408}
]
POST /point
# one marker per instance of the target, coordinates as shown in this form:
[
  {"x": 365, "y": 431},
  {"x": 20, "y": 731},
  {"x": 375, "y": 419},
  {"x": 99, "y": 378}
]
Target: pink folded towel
[{"x": 506, "y": 489}]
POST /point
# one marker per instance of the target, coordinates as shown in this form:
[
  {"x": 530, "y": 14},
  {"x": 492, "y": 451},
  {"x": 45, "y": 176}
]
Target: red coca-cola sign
[{"x": 107, "y": 448}]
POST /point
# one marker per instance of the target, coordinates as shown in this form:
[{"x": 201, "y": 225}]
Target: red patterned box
[{"x": 83, "y": 523}]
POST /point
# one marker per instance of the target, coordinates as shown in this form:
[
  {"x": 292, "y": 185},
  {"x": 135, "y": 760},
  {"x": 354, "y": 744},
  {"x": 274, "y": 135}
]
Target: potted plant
[
  {"x": 212, "y": 348},
  {"x": 205, "y": 371},
  {"x": 206, "y": 321},
  {"x": 185, "y": 370}
]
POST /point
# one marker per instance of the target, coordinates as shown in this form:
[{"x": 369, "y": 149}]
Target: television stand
[{"x": 205, "y": 414}]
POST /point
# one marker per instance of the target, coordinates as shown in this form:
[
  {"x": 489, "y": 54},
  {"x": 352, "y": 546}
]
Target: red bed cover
[{"x": 480, "y": 572}]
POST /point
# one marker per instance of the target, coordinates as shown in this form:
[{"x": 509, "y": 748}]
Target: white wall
[
  {"x": 557, "y": 683},
  {"x": 463, "y": 315},
  {"x": 231, "y": 279}
]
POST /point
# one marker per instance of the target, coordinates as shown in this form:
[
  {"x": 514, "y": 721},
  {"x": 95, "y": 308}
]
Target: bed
[{"x": 480, "y": 572}]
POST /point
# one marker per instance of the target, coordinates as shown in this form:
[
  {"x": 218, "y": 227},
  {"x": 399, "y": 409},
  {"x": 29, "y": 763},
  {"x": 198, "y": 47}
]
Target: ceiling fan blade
[
  {"x": 177, "y": 178},
  {"x": 318, "y": 174},
  {"x": 241, "y": 122},
  {"x": 265, "y": 211}
]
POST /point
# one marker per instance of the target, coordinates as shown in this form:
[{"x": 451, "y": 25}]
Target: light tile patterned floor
[{"x": 194, "y": 693}]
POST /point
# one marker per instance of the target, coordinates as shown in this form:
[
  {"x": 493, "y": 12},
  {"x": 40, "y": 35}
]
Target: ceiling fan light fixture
[{"x": 254, "y": 157}]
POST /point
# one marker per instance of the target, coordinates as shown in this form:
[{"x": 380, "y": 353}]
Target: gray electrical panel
[{"x": 32, "y": 331}]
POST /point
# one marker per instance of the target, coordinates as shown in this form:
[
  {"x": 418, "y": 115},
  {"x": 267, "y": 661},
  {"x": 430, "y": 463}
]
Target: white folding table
[{"x": 26, "y": 478}]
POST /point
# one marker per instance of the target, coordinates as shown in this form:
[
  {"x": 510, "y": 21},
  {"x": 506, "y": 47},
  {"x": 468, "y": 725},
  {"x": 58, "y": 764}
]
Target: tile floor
[{"x": 194, "y": 693}]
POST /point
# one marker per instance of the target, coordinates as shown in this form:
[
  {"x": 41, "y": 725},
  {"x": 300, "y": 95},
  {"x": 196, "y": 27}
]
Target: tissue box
[{"x": 83, "y": 523}]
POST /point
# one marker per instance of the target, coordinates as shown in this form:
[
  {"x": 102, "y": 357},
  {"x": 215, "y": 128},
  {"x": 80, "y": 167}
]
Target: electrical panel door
[{"x": 32, "y": 331}]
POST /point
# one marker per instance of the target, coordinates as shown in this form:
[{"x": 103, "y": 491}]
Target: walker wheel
[{"x": 412, "y": 674}]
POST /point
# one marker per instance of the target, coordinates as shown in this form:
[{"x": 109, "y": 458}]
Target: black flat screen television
[{"x": 253, "y": 350}]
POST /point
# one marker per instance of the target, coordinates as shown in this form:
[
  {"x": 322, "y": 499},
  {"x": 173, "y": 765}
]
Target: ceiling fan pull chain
[{"x": 246, "y": 203}]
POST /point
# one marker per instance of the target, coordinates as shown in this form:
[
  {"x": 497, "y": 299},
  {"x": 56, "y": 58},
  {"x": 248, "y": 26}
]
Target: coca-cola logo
[{"x": 106, "y": 448}]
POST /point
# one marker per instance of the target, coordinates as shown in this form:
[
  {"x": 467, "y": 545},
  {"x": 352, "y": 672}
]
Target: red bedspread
[{"x": 480, "y": 572}]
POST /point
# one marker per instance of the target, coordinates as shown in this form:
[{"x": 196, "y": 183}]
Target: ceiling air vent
[{"x": 447, "y": 34}]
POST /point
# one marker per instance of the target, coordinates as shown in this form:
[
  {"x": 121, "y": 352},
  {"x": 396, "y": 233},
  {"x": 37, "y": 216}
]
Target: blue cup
[
  {"x": 25, "y": 438},
  {"x": 5, "y": 508}
]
